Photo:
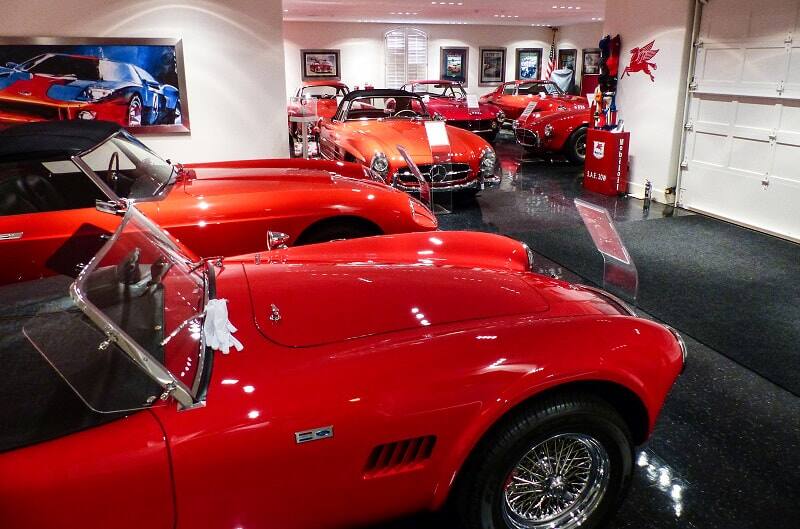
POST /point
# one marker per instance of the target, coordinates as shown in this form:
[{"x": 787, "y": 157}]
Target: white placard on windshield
[
  {"x": 437, "y": 134},
  {"x": 472, "y": 101},
  {"x": 528, "y": 111}
]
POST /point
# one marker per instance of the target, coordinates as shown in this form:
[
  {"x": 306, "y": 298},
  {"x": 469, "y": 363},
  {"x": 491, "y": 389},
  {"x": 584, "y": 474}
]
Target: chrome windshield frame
[{"x": 152, "y": 367}]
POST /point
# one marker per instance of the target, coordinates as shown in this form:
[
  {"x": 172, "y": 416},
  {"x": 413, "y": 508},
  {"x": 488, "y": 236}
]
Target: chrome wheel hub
[
  {"x": 580, "y": 146},
  {"x": 557, "y": 484}
]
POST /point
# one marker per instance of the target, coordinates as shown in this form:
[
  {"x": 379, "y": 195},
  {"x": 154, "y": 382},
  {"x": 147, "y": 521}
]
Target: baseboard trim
[{"x": 636, "y": 190}]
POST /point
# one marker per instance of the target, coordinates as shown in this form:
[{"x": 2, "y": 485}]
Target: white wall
[
  {"x": 653, "y": 111},
  {"x": 233, "y": 56},
  {"x": 362, "y": 49}
]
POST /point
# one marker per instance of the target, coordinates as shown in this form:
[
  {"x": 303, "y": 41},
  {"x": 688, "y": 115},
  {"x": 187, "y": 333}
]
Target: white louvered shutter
[{"x": 406, "y": 56}]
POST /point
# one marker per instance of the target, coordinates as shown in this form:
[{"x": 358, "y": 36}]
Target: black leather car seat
[
  {"x": 13, "y": 200},
  {"x": 41, "y": 193}
]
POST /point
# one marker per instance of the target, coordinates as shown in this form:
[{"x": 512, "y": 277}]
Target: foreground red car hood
[
  {"x": 390, "y": 133},
  {"x": 227, "y": 181}
]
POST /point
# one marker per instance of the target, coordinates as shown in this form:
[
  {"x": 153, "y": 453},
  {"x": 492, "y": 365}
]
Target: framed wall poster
[
  {"x": 453, "y": 65},
  {"x": 493, "y": 66},
  {"x": 529, "y": 63},
  {"x": 137, "y": 83},
  {"x": 591, "y": 61},
  {"x": 320, "y": 64},
  {"x": 567, "y": 59}
]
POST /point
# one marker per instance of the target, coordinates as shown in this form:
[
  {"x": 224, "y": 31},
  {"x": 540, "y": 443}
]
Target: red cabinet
[{"x": 606, "y": 169}]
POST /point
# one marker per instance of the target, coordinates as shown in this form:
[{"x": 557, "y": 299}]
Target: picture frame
[
  {"x": 492, "y": 66},
  {"x": 528, "y": 63},
  {"x": 453, "y": 64},
  {"x": 568, "y": 59},
  {"x": 320, "y": 64},
  {"x": 139, "y": 83},
  {"x": 591, "y": 61}
]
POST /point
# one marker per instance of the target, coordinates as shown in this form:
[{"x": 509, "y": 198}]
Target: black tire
[
  {"x": 490, "y": 136},
  {"x": 480, "y": 496},
  {"x": 575, "y": 149},
  {"x": 337, "y": 229}
]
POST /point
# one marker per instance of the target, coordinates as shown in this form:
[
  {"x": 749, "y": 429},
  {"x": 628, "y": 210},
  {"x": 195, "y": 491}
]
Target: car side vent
[{"x": 399, "y": 456}]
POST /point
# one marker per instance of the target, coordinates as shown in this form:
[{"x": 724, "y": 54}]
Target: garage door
[{"x": 742, "y": 138}]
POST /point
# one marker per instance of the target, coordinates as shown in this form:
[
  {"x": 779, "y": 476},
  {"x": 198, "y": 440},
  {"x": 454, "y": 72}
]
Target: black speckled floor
[{"x": 726, "y": 451}]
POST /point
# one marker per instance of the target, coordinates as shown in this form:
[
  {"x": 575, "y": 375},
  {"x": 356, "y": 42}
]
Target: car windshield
[
  {"x": 84, "y": 68},
  {"x": 142, "y": 299},
  {"x": 128, "y": 167},
  {"x": 384, "y": 107},
  {"x": 537, "y": 87},
  {"x": 449, "y": 90},
  {"x": 323, "y": 91}
]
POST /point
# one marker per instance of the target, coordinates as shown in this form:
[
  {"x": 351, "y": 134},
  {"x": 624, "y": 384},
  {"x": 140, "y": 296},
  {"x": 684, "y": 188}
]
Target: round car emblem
[{"x": 438, "y": 173}]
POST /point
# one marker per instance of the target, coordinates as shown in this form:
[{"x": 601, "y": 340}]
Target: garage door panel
[
  {"x": 792, "y": 84},
  {"x": 750, "y": 155},
  {"x": 787, "y": 165},
  {"x": 744, "y": 19},
  {"x": 710, "y": 109},
  {"x": 710, "y": 148}
]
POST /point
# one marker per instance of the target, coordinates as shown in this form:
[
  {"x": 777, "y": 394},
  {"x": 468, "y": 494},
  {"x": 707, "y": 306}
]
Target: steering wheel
[
  {"x": 113, "y": 176},
  {"x": 128, "y": 271},
  {"x": 412, "y": 112}
]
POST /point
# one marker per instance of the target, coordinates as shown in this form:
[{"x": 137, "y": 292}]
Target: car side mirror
[
  {"x": 276, "y": 240},
  {"x": 112, "y": 207},
  {"x": 438, "y": 117}
]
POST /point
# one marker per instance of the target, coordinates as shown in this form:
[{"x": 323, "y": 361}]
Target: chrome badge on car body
[{"x": 316, "y": 434}]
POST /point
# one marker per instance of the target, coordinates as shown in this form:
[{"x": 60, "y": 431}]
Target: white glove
[{"x": 217, "y": 328}]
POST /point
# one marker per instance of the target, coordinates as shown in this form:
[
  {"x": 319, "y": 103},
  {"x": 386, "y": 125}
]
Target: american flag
[{"x": 551, "y": 62}]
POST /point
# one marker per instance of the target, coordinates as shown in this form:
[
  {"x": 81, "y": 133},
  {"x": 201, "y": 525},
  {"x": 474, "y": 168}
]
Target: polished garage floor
[{"x": 726, "y": 451}]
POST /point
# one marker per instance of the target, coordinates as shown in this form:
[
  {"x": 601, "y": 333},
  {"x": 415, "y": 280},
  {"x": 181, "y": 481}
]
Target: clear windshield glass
[
  {"x": 538, "y": 87},
  {"x": 323, "y": 92},
  {"x": 386, "y": 107},
  {"x": 439, "y": 90},
  {"x": 147, "y": 296},
  {"x": 129, "y": 168}
]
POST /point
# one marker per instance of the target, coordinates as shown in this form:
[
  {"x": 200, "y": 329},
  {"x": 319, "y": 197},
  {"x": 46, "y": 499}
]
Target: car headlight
[
  {"x": 548, "y": 130},
  {"x": 488, "y": 161},
  {"x": 94, "y": 93},
  {"x": 380, "y": 164}
]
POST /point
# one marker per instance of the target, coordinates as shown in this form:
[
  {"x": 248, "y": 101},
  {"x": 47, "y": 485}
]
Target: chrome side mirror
[
  {"x": 276, "y": 240},
  {"x": 112, "y": 207}
]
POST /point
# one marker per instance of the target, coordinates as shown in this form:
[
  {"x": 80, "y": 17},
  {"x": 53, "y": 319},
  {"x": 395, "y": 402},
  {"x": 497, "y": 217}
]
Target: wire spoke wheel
[
  {"x": 580, "y": 146},
  {"x": 557, "y": 483}
]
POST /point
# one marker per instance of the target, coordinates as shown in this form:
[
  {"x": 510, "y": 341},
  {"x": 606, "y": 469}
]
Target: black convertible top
[
  {"x": 379, "y": 92},
  {"x": 49, "y": 140}
]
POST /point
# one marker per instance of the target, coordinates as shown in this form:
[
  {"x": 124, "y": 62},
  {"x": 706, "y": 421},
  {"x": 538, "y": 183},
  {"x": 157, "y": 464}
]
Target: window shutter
[{"x": 406, "y": 56}]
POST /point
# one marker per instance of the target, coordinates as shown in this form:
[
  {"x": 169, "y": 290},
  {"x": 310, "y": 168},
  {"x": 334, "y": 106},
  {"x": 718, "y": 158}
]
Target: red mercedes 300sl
[
  {"x": 449, "y": 100},
  {"x": 52, "y": 174},
  {"x": 369, "y": 385}
]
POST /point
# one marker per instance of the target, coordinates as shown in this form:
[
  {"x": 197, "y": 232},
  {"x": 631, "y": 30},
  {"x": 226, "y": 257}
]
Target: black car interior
[{"x": 29, "y": 187}]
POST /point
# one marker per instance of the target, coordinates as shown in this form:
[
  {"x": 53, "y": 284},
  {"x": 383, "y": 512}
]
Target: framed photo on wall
[
  {"x": 320, "y": 64},
  {"x": 591, "y": 61},
  {"x": 137, "y": 83},
  {"x": 493, "y": 66},
  {"x": 529, "y": 63},
  {"x": 453, "y": 65},
  {"x": 567, "y": 59}
]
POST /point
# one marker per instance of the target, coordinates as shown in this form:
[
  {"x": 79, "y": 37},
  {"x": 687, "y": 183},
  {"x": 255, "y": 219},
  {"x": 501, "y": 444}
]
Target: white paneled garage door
[{"x": 742, "y": 143}]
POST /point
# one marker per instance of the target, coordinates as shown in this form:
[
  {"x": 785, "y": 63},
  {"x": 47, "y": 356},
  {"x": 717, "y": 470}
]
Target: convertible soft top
[
  {"x": 49, "y": 140},
  {"x": 378, "y": 92}
]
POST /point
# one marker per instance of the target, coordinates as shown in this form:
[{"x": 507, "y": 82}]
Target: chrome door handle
[{"x": 10, "y": 236}]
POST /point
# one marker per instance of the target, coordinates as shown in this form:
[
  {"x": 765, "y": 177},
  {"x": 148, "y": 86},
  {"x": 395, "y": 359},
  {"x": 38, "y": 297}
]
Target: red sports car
[
  {"x": 52, "y": 174},
  {"x": 357, "y": 387},
  {"x": 321, "y": 66},
  {"x": 514, "y": 97},
  {"x": 326, "y": 95},
  {"x": 370, "y": 125},
  {"x": 561, "y": 131},
  {"x": 449, "y": 100}
]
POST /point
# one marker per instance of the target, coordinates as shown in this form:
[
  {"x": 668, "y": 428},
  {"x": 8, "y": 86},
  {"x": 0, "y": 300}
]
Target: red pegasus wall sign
[{"x": 640, "y": 60}]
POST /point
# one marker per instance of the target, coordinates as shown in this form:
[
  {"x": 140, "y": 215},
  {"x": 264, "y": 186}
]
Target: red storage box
[{"x": 606, "y": 169}]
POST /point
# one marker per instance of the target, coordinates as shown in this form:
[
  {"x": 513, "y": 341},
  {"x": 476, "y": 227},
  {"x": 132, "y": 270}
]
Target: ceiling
[{"x": 483, "y": 12}]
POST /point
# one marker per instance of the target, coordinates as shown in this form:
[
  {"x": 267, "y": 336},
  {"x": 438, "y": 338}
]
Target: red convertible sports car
[
  {"x": 52, "y": 175},
  {"x": 370, "y": 124},
  {"x": 357, "y": 387},
  {"x": 561, "y": 131},
  {"x": 326, "y": 95},
  {"x": 449, "y": 100},
  {"x": 514, "y": 97}
]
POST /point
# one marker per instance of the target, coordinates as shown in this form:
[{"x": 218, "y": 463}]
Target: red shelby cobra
[
  {"x": 370, "y": 124},
  {"x": 370, "y": 385},
  {"x": 449, "y": 100},
  {"x": 514, "y": 97},
  {"x": 52, "y": 174},
  {"x": 560, "y": 131}
]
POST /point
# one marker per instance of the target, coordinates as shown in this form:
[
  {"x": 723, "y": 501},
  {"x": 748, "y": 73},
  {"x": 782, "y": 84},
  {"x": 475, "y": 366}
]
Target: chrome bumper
[
  {"x": 681, "y": 344},
  {"x": 527, "y": 138},
  {"x": 474, "y": 184}
]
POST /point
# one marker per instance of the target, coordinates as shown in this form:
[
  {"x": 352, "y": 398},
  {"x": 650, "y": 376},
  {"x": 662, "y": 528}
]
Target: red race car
[
  {"x": 449, "y": 100},
  {"x": 514, "y": 97},
  {"x": 371, "y": 124},
  {"x": 53, "y": 174},
  {"x": 359, "y": 387},
  {"x": 561, "y": 131},
  {"x": 326, "y": 95},
  {"x": 321, "y": 66}
]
